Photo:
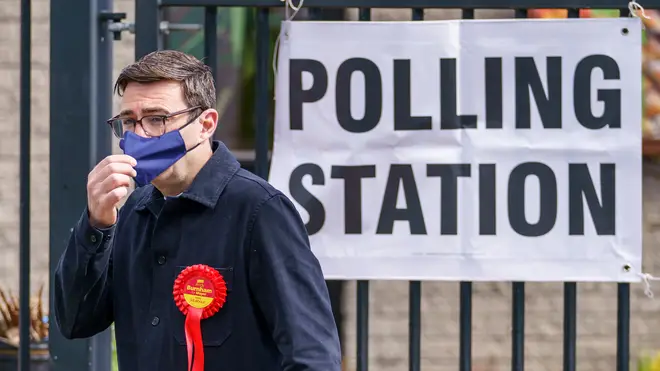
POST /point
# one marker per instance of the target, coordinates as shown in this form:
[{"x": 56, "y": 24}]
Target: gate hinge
[{"x": 115, "y": 24}]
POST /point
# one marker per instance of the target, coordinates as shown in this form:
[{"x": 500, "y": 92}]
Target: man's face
[
  {"x": 162, "y": 98},
  {"x": 157, "y": 98}
]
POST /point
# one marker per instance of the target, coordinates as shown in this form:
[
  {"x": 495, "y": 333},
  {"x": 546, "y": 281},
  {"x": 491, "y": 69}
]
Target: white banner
[{"x": 464, "y": 150}]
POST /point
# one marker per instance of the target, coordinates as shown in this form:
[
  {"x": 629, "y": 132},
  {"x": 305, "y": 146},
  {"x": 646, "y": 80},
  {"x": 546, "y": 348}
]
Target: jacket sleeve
[
  {"x": 288, "y": 286},
  {"x": 82, "y": 282}
]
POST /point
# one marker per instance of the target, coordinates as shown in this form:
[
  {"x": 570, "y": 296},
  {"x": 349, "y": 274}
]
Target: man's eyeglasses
[{"x": 152, "y": 125}]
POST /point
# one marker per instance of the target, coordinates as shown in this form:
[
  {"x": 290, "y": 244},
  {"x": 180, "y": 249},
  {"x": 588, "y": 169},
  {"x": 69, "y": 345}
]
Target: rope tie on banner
[
  {"x": 635, "y": 10},
  {"x": 646, "y": 280},
  {"x": 288, "y": 6}
]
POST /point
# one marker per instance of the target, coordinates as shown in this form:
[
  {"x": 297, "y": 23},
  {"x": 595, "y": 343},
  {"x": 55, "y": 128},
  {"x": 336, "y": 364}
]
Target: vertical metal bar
[
  {"x": 418, "y": 14},
  {"x": 262, "y": 101},
  {"x": 326, "y": 14},
  {"x": 101, "y": 143},
  {"x": 623, "y": 306},
  {"x": 465, "y": 315},
  {"x": 363, "y": 287},
  {"x": 570, "y": 298},
  {"x": 72, "y": 111},
  {"x": 518, "y": 327},
  {"x": 570, "y": 325},
  {"x": 166, "y": 14},
  {"x": 362, "y": 325},
  {"x": 518, "y": 312},
  {"x": 102, "y": 79},
  {"x": 415, "y": 292},
  {"x": 314, "y": 14},
  {"x": 211, "y": 40},
  {"x": 465, "y": 327},
  {"x": 415, "y": 326},
  {"x": 335, "y": 287},
  {"x": 148, "y": 37},
  {"x": 521, "y": 13},
  {"x": 335, "y": 291},
  {"x": 623, "y": 327},
  {"x": 26, "y": 121},
  {"x": 365, "y": 14}
]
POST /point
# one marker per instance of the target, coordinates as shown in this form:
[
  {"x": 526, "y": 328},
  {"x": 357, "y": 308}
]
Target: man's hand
[{"x": 107, "y": 184}]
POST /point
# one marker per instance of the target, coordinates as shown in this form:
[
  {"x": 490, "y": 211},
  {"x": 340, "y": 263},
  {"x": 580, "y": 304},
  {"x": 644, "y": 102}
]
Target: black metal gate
[{"x": 81, "y": 86}]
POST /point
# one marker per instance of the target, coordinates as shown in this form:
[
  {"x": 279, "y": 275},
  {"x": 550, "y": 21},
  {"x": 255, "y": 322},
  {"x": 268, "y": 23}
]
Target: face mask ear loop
[
  {"x": 195, "y": 146},
  {"x": 197, "y": 118}
]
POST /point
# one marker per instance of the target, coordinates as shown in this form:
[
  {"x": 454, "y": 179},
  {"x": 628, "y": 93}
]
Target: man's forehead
[{"x": 159, "y": 97}]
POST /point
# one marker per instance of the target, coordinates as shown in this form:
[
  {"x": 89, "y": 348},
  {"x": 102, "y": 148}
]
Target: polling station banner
[{"x": 464, "y": 150}]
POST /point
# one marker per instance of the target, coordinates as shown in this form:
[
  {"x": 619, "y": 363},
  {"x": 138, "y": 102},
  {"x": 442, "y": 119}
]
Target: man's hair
[{"x": 194, "y": 76}]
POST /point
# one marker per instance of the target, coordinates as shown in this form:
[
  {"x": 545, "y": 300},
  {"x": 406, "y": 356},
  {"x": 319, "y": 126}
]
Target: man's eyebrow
[
  {"x": 126, "y": 112},
  {"x": 145, "y": 111},
  {"x": 151, "y": 110}
]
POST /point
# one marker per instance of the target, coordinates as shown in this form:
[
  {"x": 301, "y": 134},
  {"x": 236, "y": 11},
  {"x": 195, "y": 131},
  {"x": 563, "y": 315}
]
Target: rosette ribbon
[{"x": 199, "y": 293}]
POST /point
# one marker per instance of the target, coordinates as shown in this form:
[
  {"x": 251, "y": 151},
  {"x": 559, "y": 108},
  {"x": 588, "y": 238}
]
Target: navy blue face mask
[{"x": 154, "y": 155}]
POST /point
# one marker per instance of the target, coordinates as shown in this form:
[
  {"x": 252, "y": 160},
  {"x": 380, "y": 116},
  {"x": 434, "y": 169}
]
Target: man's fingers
[
  {"x": 113, "y": 181},
  {"x": 112, "y": 168},
  {"x": 119, "y": 168},
  {"x": 112, "y": 198},
  {"x": 113, "y": 159},
  {"x": 120, "y": 158},
  {"x": 107, "y": 184}
]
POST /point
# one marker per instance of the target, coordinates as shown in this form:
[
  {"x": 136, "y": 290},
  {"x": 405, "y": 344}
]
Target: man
[{"x": 193, "y": 205}]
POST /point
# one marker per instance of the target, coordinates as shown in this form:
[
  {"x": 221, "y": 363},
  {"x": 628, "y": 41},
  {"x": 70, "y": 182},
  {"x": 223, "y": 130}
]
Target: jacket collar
[{"x": 207, "y": 185}]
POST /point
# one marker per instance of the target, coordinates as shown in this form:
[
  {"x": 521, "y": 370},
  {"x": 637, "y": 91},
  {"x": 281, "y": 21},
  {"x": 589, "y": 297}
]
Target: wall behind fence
[
  {"x": 389, "y": 301},
  {"x": 9, "y": 141},
  {"x": 9, "y": 134}
]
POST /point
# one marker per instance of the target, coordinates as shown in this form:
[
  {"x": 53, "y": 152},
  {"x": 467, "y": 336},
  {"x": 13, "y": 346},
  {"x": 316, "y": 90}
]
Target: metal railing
[{"x": 80, "y": 88}]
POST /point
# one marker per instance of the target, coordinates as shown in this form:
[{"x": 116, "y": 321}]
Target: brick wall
[{"x": 388, "y": 303}]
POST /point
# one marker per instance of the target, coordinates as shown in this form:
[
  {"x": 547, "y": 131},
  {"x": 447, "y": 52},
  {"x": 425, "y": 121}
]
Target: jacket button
[
  {"x": 161, "y": 260},
  {"x": 92, "y": 238},
  {"x": 155, "y": 321}
]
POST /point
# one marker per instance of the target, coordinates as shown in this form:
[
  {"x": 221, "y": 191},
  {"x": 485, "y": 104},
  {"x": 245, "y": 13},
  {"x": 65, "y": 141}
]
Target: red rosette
[
  {"x": 199, "y": 293},
  {"x": 212, "y": 281}
]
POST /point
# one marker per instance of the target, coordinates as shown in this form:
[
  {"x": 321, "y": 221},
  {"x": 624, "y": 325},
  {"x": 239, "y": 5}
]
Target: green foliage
[
  {"x": 115, "y": 365},
  {"x": 237, "y": 29},
  {"x": 649, "y": 363},
  {"x": 248, "y": 87}
]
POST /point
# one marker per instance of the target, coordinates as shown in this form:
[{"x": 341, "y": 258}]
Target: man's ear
[{"x": 209, "y": 121}]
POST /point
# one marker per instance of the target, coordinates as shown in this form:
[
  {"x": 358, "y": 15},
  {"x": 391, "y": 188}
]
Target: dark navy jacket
[{"x": 277, "y": 315}]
